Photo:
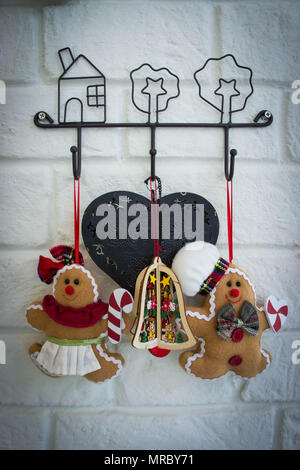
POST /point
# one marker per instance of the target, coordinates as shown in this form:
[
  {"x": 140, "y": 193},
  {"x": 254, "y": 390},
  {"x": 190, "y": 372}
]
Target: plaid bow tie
[{"x": 228, "y": 321}]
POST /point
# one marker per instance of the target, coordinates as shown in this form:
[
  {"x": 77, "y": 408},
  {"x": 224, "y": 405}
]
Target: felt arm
[
  {"x": 100, "y": 327},
  {"x": 264, "y": 325},
  {"x": 197, "y": 321},
  {"x": 36, "y": 316},
  {"x": 128, "y": 321}
]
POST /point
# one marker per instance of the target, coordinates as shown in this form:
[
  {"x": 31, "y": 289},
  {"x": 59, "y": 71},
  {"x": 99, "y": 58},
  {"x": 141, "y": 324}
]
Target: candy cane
[{"x": 120, "y": 300}]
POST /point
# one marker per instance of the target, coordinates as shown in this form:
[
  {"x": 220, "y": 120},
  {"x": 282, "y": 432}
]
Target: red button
[
  {"x": 235, "y": 361},
  {"x": 237, "y": 335}
]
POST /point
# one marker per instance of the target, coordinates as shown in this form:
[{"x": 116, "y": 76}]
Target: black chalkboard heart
[{"x": 123, "y": 259}]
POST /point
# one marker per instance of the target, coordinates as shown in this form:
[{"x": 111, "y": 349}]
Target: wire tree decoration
[
  {"x": 225, "y": 85},
  {"x": 152, "y": 89}
]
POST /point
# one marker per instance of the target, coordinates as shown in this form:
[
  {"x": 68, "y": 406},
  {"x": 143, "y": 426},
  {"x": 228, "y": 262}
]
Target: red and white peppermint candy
[
  {"x": 276, "y": 312},
  {"x": 120, "y": 300}
]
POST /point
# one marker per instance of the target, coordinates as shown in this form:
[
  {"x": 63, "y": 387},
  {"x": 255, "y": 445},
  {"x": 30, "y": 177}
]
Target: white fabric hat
[{"x": 193, "y": 263}]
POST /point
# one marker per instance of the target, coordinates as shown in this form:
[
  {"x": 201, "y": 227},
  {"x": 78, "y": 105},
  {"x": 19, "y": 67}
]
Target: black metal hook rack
[{"x": 165, "y": 86}]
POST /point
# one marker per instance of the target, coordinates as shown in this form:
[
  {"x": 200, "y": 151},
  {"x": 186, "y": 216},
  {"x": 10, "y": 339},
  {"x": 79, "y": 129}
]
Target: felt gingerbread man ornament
[
  {"x": 229, "y": 324},
  {"x": 76, "y": 322}
]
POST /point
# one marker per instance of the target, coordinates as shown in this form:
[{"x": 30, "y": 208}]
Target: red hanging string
[
  {"x": 158, "y": 247},
  {"x": 155, "y": 220},
  {"x": 230, "y": 219},
  {"x": 152, "y": 218},
  {"x": 76, "y": 217}
]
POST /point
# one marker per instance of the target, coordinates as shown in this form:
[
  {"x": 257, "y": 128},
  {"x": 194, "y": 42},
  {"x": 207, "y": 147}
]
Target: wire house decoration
[
  {"x": 81, "y": 90},
  {"x": 152, "y": 90}
]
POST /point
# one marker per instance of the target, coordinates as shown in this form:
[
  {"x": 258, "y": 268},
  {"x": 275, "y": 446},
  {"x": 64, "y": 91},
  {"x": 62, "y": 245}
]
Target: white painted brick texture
[
  {"x": 36, "y": 213},
  {"x": 221, "y": 428}
]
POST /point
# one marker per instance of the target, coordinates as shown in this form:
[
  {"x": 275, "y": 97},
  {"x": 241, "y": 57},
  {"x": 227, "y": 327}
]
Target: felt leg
[
  {"x": 254, "y": 364},
  {"x": 204, "y": 367},
  {"x": 183, "y": 358},
  {"x": 110, "y": 363},
  {"x": 35, "y": 347},
  {"x": 208, "y": 368}
]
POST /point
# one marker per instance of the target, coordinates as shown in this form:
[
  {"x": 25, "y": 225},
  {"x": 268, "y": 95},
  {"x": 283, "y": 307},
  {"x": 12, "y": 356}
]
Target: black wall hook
[
  {"x": 76, "y": 161},
  {"x": 229, "y": 173},
  {"x": 228, "y": 166},
  {"x": 153, "y": 151}
]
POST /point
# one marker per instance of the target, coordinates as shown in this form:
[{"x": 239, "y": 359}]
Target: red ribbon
[
  {"x": 155, "y": 224},
  {"x": 230, "y": 219},
  {"x": 68, "y": 255},
  {"x": 47, "y": 268},
  {"x": 76, "y": 217}
]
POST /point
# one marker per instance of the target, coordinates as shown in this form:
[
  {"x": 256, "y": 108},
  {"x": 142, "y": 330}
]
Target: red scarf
[{"x": 74, "y": 317}]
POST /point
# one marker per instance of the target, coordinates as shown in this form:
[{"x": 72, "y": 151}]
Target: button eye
[
  {"x": 67, "y": 281},
  {"x": 229, "y": 284},
  {"x": 238, "y": 283},
  {"x": 76, "y": 281}
]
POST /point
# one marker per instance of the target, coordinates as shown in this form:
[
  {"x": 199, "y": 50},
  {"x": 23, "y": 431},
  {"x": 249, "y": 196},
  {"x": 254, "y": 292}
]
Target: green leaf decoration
[
  {"x": 179, "y": 338},
  {"x": 144, "y": 338}
]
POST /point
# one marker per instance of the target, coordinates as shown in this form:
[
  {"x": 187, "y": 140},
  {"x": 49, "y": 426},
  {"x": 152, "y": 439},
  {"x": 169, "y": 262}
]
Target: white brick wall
[{"x": 36, "y": 213}]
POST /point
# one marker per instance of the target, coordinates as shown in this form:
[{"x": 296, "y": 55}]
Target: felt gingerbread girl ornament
[
  {"x": 77, "y": 323},
  {"x": 229, "y": 324}
]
